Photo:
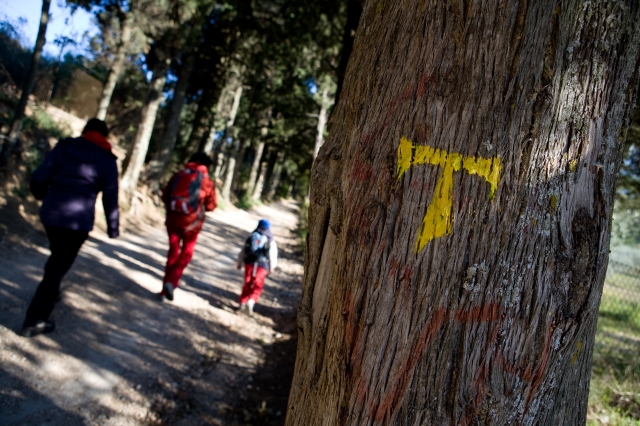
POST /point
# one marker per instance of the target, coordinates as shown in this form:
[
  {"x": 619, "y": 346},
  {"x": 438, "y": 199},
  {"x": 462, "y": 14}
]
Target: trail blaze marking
[{"x": 437, "y": 221}]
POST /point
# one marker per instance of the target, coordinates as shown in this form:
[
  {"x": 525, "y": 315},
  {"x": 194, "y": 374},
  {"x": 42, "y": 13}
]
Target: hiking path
[{"x": 119, "y": 356}]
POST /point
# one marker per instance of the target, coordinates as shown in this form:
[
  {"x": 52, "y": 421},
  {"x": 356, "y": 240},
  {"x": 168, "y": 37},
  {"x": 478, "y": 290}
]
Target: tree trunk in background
[
  {"x": 354, "y": 10},
  {"x": 27, "y": 86},
  {"x": 460, "y": 212},
  {"x": 231, "y": 165},
  {"x": 238, "y": 165},
  {"x": 202, "y": 121},
  {"x": 232, "y": 91},
  {"x": 259, "y": 187},
  {"x": 265, "y": 121},
  {"x": 163, "y": 154},
  {"x": 116, "y": 68},
  {"x": 255, "y": 166},
  {"x": 219, "y": 165},
  {"x": 274, "y": 180},
  {"x": 322, "y": 121},
  {"x": 140, "y": 144}
]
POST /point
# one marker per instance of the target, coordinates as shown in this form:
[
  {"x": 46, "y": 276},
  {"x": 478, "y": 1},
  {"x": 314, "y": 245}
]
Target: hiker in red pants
[
  {"x": 188, "y": 195},
  {"x": 260, "y": 257}
]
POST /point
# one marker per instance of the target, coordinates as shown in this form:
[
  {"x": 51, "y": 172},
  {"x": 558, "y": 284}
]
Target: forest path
[{"x": 119, "y": 356}]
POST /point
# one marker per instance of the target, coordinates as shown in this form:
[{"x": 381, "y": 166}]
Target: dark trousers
[{"x": 65, "y": 245}]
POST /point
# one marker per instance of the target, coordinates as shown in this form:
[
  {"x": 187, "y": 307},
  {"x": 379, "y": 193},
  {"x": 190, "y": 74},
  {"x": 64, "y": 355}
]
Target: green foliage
[
  {"x": 614, "y": 394},
  {"x": 43, "y": 122},
  {"x": 14, "y": 58},
  {"x": 625, "y": 227}
]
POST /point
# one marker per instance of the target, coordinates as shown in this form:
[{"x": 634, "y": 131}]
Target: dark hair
[
  {"x": 95, "y": 125},
  {"x": 200, "y": 158}
]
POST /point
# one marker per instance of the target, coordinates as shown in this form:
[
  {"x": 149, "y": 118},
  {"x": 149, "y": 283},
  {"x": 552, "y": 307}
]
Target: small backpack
[
  {"x": 185, "y": 192},
  {"x": 256, "y": 248}
]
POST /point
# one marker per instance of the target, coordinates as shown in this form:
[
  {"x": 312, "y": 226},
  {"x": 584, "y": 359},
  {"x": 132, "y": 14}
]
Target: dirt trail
[{"x": 121, "y": 357}]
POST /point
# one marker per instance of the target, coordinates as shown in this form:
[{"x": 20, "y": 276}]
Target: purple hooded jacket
[{"x": 69, "y": 180}]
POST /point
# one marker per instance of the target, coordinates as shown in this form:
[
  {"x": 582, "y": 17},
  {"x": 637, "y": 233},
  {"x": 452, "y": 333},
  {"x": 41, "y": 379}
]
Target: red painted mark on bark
[
  {"x": 405, "y": 280},
  {"x": 538, "y": 374},
  {"x": 392, "y": 397},
  {"x": 390, "y": 401},
  {"x": 361, "y": 172},
  {"x": 394, "y": 264},
  {"x": 426, "y": 79},
  {"x": 489, "y": 312}
]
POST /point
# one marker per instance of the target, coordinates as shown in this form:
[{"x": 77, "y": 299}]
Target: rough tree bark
[
  {"x": 161, "y": 160},
  {"x": 460, "y": 214},
  {"x": 116, "y": 67},
  {"x": 140, "y": 144},
  {"x": 27, "y": 87}
]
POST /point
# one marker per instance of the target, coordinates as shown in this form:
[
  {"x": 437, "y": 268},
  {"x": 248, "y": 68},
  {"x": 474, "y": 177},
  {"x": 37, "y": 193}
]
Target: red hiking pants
[
  {"x": 252, "y": 285},
  {"x": 181, "y": 247}
]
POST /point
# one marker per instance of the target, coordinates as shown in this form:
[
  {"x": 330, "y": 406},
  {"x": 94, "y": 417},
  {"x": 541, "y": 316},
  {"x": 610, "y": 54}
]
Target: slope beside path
[{"x": 121, "y": 357}]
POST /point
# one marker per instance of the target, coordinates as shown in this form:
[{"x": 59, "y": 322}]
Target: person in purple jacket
[{"x": 68, "y": 181}]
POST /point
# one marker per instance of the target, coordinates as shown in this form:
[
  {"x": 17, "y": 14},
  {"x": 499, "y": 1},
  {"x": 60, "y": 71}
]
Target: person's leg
[
  {"x": 246, "y": 288},
  {"x": 65, "y": 245},
  {"x": 174, "y": 273},
  {"x": 258, "y": 284},
  {"x": 172, "y": 254}
]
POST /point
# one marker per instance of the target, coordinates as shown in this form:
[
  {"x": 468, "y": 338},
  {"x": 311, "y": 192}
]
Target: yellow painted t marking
[{"x": 437, "y": 221}]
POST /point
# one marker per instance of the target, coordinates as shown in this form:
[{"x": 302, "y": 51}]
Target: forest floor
[{"x": 120, "y": 356}]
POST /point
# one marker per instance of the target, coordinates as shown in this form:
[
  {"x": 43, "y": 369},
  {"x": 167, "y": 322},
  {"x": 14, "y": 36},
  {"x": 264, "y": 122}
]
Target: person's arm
[
  {"x": 240, "y": 260},
  {"x": 110, "y": 200},
  {"x": 210, "y": 201},
  {"x": 165, "y": 191},
  {"x": 43, "y": 175},
  {"x": 273, "y": 255}
]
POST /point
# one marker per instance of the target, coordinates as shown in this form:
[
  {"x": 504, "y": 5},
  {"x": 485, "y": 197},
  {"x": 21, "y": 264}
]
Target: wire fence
[
  {"x": 621, "y": 294},
  {"x": 74, "y": 89}
]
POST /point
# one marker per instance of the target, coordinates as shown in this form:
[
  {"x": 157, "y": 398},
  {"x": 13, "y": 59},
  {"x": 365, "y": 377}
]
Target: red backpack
[{"x": 185, "y": 192}]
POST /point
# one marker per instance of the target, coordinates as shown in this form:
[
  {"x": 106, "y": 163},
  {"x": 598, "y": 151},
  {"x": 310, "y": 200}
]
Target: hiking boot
[
  {"x": 243, "y": 307},
  {"x": 250, "y": 304},
  {"x": 168, "y": 290},
  {"x": 41, "y": 327}
]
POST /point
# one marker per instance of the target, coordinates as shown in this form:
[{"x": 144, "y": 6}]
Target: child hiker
[
  {"x": 68, "y": 181},
  {"x": 260, "y": 257},
  {"x": 187, "y": 196}
]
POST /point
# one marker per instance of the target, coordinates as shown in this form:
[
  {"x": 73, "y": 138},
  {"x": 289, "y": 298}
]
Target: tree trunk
[
  {"x": 27, "y": 87},
  {"x": 255, "y": 166},
  {"x": 325, "y": 103},
  {"x": 231, "y": 166},
  {"x": 202, "y": 122},
  {"x": 219, "y": 165},
  {"x": 460, "y": 213},
  {"x": 354, "y": 10},
  {"x": 140, "y": 145},
  {"x": 163, "y": 154},
  {"x": 235, "y": 82},
  {"x": 259, "y": 186},
  {"x": 116, "y": 68},
  {"x": 238, "y": 165},
  {"x": 274, "y": 180}
]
